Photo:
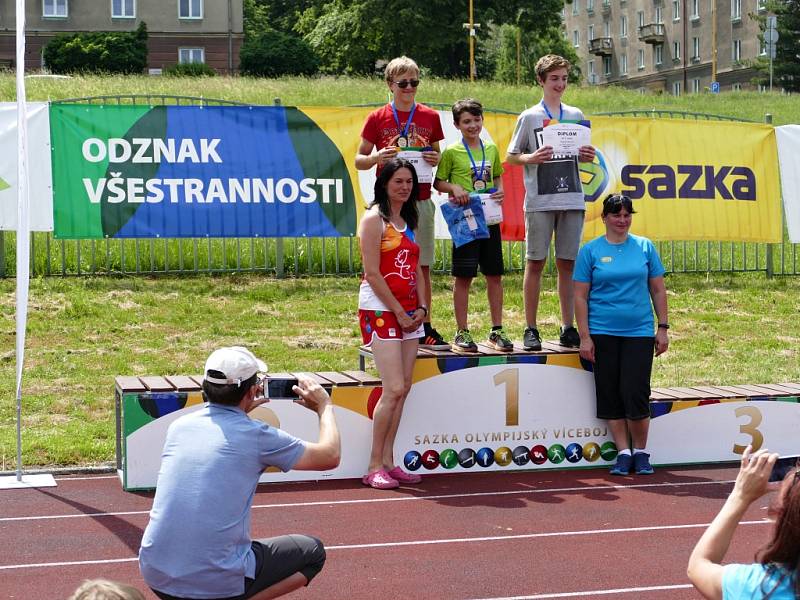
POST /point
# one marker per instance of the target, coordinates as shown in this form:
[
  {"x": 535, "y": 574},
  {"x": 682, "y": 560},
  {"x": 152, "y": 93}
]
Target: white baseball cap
[{"x": 237, "y": 363}]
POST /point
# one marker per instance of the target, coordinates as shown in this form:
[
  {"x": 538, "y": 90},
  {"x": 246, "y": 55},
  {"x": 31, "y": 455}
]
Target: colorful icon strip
[{"x": 505, "y": 456}]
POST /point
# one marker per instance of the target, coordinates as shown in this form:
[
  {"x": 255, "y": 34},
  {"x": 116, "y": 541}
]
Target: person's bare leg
[
  {"x": 388, "y": 356},
  {"x": 284, "y": 586},
  {"x": 639, "y": 430},
  {"x": 409, "y": 356},
  {"x": 619, "y": 431},
  {"x": 566, "y": 290},
  {"x": 531, "y": 287},
  {"x": 494, "y": 293},
  {"x": 461, "y": 287},
  {"x": 426, "y": 277}
]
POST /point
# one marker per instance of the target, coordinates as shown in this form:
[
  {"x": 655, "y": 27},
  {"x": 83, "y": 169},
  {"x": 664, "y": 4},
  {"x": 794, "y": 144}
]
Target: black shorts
[
  {"x": 276, "y": 559},
  {"x": 622, "y": 367},
  {"x": 486, "y": 253}
]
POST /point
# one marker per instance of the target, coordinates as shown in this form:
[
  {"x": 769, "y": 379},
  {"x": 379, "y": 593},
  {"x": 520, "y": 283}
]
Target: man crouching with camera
[{"x": 197, "y": 543}]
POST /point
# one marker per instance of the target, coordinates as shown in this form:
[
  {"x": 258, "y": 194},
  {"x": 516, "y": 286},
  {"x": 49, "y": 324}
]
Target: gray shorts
[
  {"x": 539, "y": 228},
  {"x": 424, "y": 233}
]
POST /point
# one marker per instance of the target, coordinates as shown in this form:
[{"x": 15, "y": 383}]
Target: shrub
[
  {"x": 274, "y": 53},
  {"x": 99, "y": 51},
  {"x": 190, "y": 70}
]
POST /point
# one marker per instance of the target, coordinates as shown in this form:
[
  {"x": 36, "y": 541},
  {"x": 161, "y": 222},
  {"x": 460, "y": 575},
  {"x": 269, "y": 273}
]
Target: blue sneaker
[
  {"x": 623, "y": 466},
  {"x": 641, "y": 463}
]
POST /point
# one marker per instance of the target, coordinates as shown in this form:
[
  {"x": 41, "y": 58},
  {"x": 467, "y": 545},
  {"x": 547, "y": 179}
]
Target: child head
[
  {"x": 467, "y": 105},
  {"x": 402, "y": 76},
  {"x": 549, "y": 64},
  {"x": 468, "y": 117},
  {"x": 103, "y": 589}
]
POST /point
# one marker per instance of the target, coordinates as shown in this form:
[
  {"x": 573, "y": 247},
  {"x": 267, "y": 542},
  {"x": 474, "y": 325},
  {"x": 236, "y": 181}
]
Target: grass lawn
[
  {"x": 345, "y": 91},
  {"x": 726, "y": 329}
]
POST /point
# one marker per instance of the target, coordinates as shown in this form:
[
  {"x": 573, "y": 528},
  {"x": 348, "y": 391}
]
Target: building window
[
  {"x": 640, "y": 59},
  {"x": 676, "y": 10},
  {"x": 658, "y": 54},
  {"x": 592, "y": 74},
  {"x": 590, "y": 6},
  {"x": 736, "y": 51},
  {"x": 695, "y": 48},
  {"x": 736, "y": 87},
  {"x": 640, "y": 19},
  {"x": 763, "y": 48},
  {"x": 607, "y": 28},
  {"x": 623, "y": 64},
  {"x": 191, "y": 55},
  {"x": 123, "y": 9},
  {"x": 676, "y": 88},
  {"x": 193, "y": 9},
  {"x": 575, "y": 7},
  {"x": 676, "y": 50},
  {"x": 591, "y": 34},
  {"x": 762, "y": 5},
  {"x": 607, "y": 66},
  {"x": 696, "y": 85},
  {"x": 54, "y": 8},
  {"x": 695, "y": 9},
  {"x": 736, "y": 10},
  {"x": 659, "y": 15},
  {"x": 623, "y": 26},
  {"x": 576, "y": 38}
]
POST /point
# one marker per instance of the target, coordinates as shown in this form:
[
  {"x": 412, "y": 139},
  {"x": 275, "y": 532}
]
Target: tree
[
  {"x": 532, "y": 47},
  {"x": 274, "y": 53},
  {"x": 786, "y": 64},
  {"x": 98, "y": 51}
]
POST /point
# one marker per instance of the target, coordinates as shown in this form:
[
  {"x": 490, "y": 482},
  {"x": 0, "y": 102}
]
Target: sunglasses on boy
[{"x": 404, "y": 83}]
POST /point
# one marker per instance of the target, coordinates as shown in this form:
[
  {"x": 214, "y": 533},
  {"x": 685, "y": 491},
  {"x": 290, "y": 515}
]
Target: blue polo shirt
[
  {"x": 751, "y": 581},
  {"x": 619, "y": 292},
  {"x": 197, "y": 543}
]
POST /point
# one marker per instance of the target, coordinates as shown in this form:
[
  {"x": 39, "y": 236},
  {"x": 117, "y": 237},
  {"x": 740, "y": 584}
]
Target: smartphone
[
  {"x": 281, "y": 389},
  {"x": 782, "y": 466}
]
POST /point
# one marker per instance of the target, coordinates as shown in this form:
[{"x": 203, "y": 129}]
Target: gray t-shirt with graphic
[{"x": 556, "y": 184}]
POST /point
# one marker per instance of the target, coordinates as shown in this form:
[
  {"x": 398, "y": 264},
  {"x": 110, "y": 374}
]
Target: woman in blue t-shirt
[
  {"x": 774, "y": 576},
  {"x": 619, "y": 279}
]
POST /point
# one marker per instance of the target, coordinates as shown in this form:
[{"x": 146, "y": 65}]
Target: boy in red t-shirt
[{"x": 402, "y": 123}]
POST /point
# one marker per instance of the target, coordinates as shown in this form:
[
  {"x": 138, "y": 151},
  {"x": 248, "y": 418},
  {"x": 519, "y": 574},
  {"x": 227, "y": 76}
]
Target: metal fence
[{"x": 335, "y": 256}]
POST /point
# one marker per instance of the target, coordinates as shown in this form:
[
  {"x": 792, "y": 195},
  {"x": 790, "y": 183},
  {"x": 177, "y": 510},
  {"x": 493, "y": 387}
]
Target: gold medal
[
  {"x": 479, "y": 185},
  {"x": 402, "y": 141}
]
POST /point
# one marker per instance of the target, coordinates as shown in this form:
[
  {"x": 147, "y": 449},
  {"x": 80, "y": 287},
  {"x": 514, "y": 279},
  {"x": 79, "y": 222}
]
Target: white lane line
[
  {"x": 651, "y": 588},
  {"x": 587, "y": 488},
  {"x": 471, "y": 540}
]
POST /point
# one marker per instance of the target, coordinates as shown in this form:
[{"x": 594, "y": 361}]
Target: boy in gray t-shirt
[{"x": 553, "y": 199}]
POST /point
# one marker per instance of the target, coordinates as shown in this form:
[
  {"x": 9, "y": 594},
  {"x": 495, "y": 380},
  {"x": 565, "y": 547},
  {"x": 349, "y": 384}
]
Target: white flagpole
[{"x": 23, "y": 251}]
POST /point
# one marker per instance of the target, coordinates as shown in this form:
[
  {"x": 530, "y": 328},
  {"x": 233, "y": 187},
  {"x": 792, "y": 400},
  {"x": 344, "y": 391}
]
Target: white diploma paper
[
  {"x": 492, "y": 209},
  {"x": 566, "y": 138},
  {"x": 421, "y": 166}
]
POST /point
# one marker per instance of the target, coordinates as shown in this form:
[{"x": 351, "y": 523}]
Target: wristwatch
[{"x": 663, "y": 325}]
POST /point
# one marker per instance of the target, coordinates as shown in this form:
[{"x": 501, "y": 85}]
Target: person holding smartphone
[
  {"x": 774, "y": 575},
  {"x": 390, "y": 311},
  {"x": 619, "y": 280},
  {"x": 197, "y": 543}
]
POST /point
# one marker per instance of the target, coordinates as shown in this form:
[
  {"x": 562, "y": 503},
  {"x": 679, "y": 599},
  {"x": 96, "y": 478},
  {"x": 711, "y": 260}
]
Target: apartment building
[
  {"x": 666, "y": 45},
  {"x": 180, "y": 31}
]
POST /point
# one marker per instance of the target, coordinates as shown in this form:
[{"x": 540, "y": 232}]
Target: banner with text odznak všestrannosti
[
  {"x": 190, "y": 171},
  {"x": 128, "y": 171}
]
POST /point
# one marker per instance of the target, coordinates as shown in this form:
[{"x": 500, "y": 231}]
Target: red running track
[{"x": 517, "y": 535}]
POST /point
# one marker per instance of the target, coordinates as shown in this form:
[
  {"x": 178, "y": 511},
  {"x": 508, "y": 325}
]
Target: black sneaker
[
  {"x": 531, "y": 340},
  {"x": 464, "y": 344},
  {"x": 433, "y": 340},
  {"x": 499, "y": 341},
  {"x": 569, "y": 337}
]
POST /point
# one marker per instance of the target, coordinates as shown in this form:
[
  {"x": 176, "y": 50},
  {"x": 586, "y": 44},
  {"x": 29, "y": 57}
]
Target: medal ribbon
[
  {"x": 478, "y": 174},
  {"x": 547, "y": 110},
  {"x": 408, "y": 123}
]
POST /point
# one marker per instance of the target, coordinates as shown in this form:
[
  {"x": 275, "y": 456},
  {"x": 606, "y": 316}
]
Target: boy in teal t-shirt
[{"x": 474, "y": 166}]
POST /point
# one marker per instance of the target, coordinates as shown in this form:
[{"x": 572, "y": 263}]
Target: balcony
[
  {"x": 652, "y": 33},
  {"x": 603, "y": 46}
]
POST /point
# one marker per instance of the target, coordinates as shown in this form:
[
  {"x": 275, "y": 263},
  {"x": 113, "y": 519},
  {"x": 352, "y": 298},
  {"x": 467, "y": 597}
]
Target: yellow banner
[{"x": 689, "y": 180}]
